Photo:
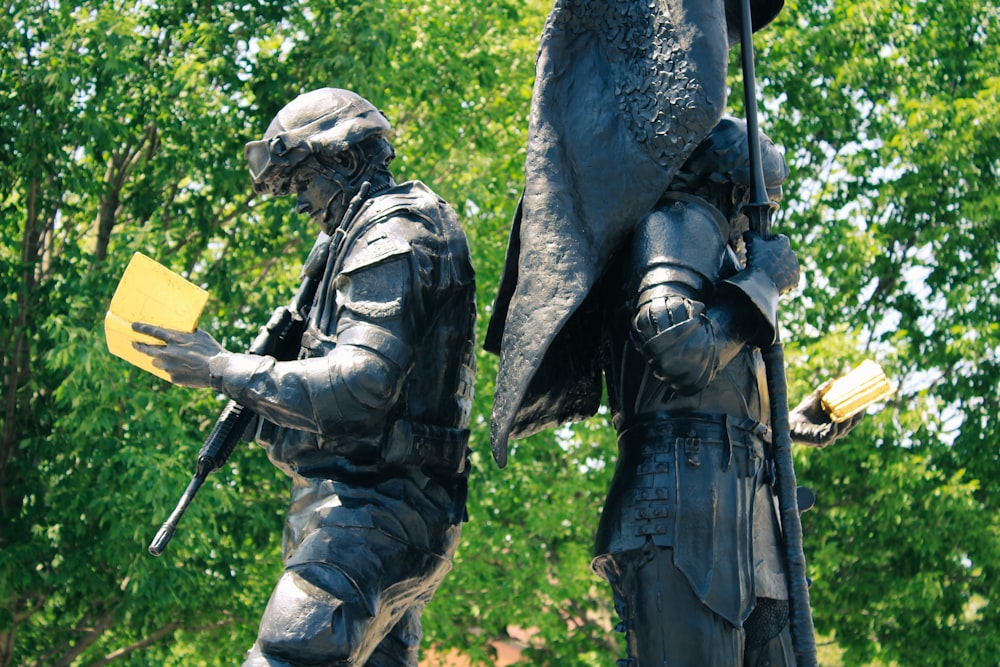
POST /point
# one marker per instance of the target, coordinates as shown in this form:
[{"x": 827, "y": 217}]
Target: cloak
[{"x": 624, "y": 91}]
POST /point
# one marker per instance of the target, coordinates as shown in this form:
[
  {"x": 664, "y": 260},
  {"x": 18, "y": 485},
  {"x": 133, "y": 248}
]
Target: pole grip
[
  {"x": 759, "y": 210},
  {"x": 802, "y": 630}
]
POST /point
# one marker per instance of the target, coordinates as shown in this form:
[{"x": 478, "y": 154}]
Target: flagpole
[{"x": 759, "y": 210}]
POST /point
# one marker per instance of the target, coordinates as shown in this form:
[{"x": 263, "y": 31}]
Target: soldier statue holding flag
[{"x": 632, "y": 256}]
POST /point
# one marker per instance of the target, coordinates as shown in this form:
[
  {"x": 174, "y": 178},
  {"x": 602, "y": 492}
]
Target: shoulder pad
[
  {"x": 412, "y": 197},
  {"x": 684, "y": 232},
  {"x": 377, "y": 245}
]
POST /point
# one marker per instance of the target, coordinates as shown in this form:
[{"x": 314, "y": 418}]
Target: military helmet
[{"x": 322, "y": 122}]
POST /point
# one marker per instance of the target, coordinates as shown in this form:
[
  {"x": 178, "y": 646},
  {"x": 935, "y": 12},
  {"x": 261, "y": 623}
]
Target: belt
[
  {"x": 436, "y": 449},
  {"x": 685, "y": 433},
  {"x": 662, "y": 424}
]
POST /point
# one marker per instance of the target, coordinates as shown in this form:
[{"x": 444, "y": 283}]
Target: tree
[
  {"x": 121, "y": 129},
  {"x": 897, "y": 200},
  {"x": 115, "y": 140}
]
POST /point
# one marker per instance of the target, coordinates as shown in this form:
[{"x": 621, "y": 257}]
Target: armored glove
[
  {"x": 772, "y": 269},
  {"x": 776, "y": 259}
]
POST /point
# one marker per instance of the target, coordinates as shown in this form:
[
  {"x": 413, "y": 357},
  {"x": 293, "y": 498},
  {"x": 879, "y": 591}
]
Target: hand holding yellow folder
[
  {"x": 150, "y": 292},
  {"x": 854, "y": 392}
]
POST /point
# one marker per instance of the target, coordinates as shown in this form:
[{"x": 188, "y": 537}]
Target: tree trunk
[{"x": 16, "y": 356}]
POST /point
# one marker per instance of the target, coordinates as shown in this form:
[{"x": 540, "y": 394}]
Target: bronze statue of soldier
[
  {"x": 369, "y": 417},
  {"x": 689, "y": 538},
  {"x": 627, "y": 261}
]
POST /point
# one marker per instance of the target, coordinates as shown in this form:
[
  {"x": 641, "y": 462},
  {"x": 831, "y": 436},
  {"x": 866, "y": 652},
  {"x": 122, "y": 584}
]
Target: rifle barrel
[{"x": 169, "y": 526}]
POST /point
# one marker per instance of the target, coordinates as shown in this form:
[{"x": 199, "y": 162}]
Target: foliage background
[{"x": 121, "y": 129}]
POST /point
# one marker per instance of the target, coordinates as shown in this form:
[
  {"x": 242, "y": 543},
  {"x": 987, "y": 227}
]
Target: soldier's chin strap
[{"x": 759, "y": 210}]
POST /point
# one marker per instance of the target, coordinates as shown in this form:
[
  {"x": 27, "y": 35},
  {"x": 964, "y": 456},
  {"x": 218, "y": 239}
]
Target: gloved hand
[
  {"x": 772, "y": 269},
  {"x": 661, "y": 313},
  {"x": 774, "y": 256},
  {"x": 184, "y": 356},
  {"x": 810, "y": 424}
]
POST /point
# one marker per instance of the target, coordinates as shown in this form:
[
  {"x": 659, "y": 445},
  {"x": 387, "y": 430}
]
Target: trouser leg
[
  {"x": 401, "y": 647},
  {"x": 307, "y": 626},
  {"x": 665, "y": 623},
  {"x": 358, "y": 572},
  {"x": 282, "y": 647},
  {"x": 256, "y": 658},
  {"x": 776, "y": 652}
]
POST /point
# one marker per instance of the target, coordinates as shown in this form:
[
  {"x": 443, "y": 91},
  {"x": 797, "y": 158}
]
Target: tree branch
[
  {"x": 166, "y": 630},
  {"x": 89, "y": 638},
  {"x": 160, "y": 634}
]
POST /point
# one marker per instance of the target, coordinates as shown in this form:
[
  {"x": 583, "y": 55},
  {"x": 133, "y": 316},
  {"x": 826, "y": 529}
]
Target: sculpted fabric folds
[{"x": 624, "y": 91}]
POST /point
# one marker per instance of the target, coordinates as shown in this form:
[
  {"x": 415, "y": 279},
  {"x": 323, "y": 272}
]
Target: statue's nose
[{"x": 302, "y": 206}]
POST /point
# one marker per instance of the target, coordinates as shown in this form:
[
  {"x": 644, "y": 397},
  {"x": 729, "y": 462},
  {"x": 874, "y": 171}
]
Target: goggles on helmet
[
  {"x": 346, "y": 121},
  {"x": 272, "y": 159}
]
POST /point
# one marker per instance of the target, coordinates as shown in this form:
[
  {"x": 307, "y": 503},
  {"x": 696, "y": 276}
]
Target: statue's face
[
  {"x": 739, "y": 223},
  {"x": 321, "y": 196}
]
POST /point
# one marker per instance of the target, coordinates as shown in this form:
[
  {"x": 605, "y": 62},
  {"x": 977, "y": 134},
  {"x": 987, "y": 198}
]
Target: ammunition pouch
[
  {"x": 437, "y": 450},
  {"x": 314, "y": 343}
]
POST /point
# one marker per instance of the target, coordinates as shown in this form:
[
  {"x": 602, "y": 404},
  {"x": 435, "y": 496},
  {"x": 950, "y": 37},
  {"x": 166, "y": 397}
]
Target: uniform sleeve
[{"x": 380, "y": 318}]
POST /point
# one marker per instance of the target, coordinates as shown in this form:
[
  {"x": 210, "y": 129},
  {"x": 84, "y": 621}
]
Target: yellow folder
[
  {"x": 150, "y": 292},
  {"x": 854, "y": 392}
]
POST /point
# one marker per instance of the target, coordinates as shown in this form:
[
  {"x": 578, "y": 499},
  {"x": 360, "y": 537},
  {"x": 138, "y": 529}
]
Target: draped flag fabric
[{"x": 624, "y": 91}]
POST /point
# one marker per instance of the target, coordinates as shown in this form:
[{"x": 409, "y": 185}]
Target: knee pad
[{"x": 314, "y": 617}]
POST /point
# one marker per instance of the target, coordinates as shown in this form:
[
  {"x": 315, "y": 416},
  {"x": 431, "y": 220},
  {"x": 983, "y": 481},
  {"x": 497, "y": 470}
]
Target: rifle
[
  {"x": 279, "y": 338},
  {"x": 759, "y": 210}
]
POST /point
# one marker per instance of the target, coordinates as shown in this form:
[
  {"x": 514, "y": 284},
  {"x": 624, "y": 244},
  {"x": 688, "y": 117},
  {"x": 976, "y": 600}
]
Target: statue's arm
[
  {"x": 687, "y": 336},
  {"x": 810, "y": 424},
  {"x": 356, "y": 384},
  {"x": 688, "y": 323}
]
